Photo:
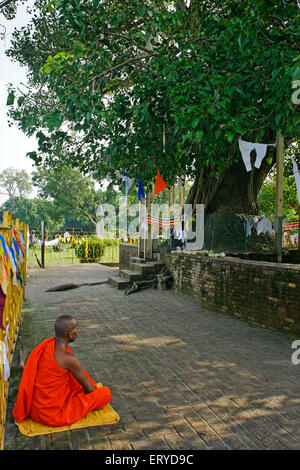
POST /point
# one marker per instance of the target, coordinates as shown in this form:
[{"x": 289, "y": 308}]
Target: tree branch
[
  {"x": 116, "y": 67},
  {"x": 122, "y": 36},
  {"x": 4, "y": 3}
]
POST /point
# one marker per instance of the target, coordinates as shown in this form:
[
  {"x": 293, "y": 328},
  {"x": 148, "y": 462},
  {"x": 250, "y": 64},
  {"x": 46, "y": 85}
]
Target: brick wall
[
  {"x": 125, "y": 253},
  {"x": 261, "y": 292}
]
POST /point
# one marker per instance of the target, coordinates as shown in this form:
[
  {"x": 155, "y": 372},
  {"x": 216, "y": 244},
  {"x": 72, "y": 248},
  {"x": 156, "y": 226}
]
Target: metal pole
[
  {"x": 43, "y": 244},
  {"x": 139, "y": 239},
  {"x": 148, "y": 247},
  {"x": 279, "y": 193}
]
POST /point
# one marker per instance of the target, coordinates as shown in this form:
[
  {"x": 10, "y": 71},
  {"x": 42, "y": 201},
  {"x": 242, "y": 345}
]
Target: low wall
[
  {"x": 259, "y": 292},
  {"x": 126, "y": 251}
]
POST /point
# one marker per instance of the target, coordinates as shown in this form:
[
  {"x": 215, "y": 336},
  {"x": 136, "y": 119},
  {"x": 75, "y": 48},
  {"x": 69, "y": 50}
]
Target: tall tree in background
[
  {"x": 130, "y": 85},
  {"x": 33, "y": 212},
  {"x": 73, "y": 195},
  {"x": 267, "y": 194},
  {"x": 15, "y": 183}
]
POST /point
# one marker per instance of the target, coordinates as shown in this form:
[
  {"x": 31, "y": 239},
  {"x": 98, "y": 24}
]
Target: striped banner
[
  {"x": 291, "y": 226},
  {"x": 169, "y": 222}
]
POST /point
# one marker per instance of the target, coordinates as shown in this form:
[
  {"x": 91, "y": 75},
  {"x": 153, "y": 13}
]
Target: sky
[{"x": 13, "y": 143}]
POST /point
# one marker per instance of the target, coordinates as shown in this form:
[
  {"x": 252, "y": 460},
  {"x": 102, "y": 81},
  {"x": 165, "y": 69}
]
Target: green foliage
[
  {"x": 33, "y": 211},
  {"x": 8, "y": 8},
  {"x": 73, "y": 195},
  {"x": 267, "y": 198},
  {"x": 90, "y": 251},
  {"x": 267, "y": 194},
  {"x": 15, "y": 183},
  {"x": 108, "y": 78}
]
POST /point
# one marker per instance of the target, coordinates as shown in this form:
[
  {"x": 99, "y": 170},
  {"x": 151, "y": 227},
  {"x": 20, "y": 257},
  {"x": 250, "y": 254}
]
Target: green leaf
[
  {"x": 296, "y": 73},
  {"x": 195, "y": 122},
  {"x": 10, "y": 99},
  {"x": 21, "y": 100},
  {"x": 230, "y": 136},
  {"x": 275, "y": 72}
]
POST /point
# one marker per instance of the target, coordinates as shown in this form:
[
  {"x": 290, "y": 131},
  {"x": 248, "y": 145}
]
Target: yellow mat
[{"x": 106, "y": 415}]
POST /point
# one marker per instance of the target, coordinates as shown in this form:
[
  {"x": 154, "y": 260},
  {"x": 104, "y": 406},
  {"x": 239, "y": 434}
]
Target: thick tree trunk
[
  {"x": 227, "y": 201},
  {"x": 234, "y": 192}
]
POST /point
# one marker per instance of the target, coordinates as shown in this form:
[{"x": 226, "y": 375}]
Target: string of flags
[
  {"x": 47, "y": 242},
  {"x": 160, "y": 222}
]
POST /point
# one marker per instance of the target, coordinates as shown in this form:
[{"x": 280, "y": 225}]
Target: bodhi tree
[
  {"x": 139, "y": 85},
  {"x": 15, "y": 184}
]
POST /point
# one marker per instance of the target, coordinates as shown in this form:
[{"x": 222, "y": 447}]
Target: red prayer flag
[{"x": 159, "y": 184}]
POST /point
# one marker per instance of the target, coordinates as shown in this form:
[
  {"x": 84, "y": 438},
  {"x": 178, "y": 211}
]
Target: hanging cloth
[
  {"x": 6, "y": 362},
  {"x": 160, "y": 185},
  {"x": 128, "y": 183},
  {"x": 12, "y": 259},
  {"x": 4, "y": 245},
  {"x": 4, "y": 258},
  {"x": 246, "y": 149},
  {"x": 4, "y": 279},
  {"x": 248, "y": 226},
  {"x": 22, "y": 241},
  {"x": 141, "y": 192},
  {"x": 264, "y": 225}
]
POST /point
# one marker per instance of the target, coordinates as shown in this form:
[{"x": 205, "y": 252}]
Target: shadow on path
[{"x": 181, "y": 377}]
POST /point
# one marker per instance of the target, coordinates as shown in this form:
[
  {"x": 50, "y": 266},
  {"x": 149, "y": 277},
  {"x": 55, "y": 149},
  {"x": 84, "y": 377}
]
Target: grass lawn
[{"x": 68, "y": 255}]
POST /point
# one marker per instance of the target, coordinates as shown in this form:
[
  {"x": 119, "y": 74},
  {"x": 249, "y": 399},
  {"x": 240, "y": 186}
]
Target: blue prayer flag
[
  {"x": 141, "y": 193},
  {"x": 4, "y": 245}
]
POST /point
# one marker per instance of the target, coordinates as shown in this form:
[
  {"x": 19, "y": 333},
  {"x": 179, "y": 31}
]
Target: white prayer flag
[
  {"x": 297, "y": 178},
  {"x": 246, "y": 149}
]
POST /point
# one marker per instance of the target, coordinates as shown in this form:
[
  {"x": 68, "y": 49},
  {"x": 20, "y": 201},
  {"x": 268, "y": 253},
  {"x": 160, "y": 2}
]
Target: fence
[
  {"x": 13, "y": 270},
  {"x": 239, "y": 233},
  {"x": 235, "y": 234}
]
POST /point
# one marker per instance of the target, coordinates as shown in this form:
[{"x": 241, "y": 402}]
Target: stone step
[
  {"x": 136, "y": 259},
  {"x": 130, "y": 275},
  {"x": 118, "y": 282},
  {"x": 146, "y": 269},
  {"x": 142, "y": 268}
]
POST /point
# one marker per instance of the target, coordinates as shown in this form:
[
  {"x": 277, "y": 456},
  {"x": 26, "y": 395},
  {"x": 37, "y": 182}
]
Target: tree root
[
  {"x": 162, "y": 281},
  {"x": 64, "y": 287}
]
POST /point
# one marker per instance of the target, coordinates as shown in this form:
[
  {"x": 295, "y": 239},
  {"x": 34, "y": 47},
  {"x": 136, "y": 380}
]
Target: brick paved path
[{"x": 181, "y": 377}]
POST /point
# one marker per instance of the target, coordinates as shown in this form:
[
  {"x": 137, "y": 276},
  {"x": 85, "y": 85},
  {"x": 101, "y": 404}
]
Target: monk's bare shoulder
[{"x": 66, "y": 360}]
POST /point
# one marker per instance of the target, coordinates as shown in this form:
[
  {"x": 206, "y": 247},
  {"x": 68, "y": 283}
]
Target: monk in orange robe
[{"x": 54, "y": 389}]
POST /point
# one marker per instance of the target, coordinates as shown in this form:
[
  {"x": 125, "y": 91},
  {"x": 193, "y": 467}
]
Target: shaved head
[{"x": 63, "y": 324}]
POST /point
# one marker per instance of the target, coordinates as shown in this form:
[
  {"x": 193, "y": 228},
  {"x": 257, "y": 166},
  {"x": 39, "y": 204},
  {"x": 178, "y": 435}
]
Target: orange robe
[{"x": 50, "y": 394}]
